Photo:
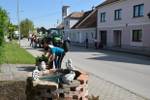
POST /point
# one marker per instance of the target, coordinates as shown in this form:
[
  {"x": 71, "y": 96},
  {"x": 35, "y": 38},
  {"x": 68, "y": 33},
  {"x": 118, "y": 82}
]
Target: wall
[
  {"x": 67, "y": 28},
  {"x": 79, "y": 35}
]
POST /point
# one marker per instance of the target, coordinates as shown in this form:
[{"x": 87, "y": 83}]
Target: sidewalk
[
  {"x": 141, "y": 52},
  {"x": 15, "y": 72},
  {"x": 131, "y": 51}
]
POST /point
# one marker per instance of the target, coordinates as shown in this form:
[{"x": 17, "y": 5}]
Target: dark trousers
[{"x": 58, "y": 61}]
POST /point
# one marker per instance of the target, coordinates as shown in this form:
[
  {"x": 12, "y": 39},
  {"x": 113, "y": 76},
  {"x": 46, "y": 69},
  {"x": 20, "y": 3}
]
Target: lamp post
[{"x": 18, "y": 18}]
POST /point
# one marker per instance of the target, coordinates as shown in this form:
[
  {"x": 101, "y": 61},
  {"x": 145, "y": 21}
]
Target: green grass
[
  {"x": 13, "y": 54},
  {"x": 1, "y": 54}
]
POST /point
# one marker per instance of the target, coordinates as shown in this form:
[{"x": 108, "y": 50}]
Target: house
[
  {"x": 60, "y": 26},
  {"x": 85, "y": 28},
  {"x": 70, "y": 21},
  {"x": 124, "y": 24}
]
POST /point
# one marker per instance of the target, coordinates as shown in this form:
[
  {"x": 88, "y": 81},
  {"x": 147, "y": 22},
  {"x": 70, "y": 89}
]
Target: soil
[{"x": 12, "y": 90}]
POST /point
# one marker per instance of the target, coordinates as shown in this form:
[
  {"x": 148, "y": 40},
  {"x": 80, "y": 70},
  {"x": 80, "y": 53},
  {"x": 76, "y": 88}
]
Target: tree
[
  {"x": 4, "y": 22},
  {"x": 25, "y": 27},
  {"x": 11, "y": 29}
]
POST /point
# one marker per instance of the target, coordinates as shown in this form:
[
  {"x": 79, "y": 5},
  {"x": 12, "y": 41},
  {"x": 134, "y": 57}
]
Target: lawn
[{"x": 13, "y": 54}]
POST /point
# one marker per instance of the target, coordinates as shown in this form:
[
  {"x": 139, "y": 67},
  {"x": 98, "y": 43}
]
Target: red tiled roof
[
  {"x": 75, "y": 15},
  {"x": 87, "y": 21},
  {"x": 82, "y": 18}
]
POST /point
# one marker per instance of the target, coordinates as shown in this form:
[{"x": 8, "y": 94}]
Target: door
[
  {"x": 103, "y": 39},
  {"x": 117, "y": 38}
]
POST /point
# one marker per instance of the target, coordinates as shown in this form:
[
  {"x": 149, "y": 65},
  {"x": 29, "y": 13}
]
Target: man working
[{"x": 56, "y": 54}]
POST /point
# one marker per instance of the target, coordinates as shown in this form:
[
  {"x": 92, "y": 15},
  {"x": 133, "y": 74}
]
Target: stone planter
[{"x": 48, "y": 87}]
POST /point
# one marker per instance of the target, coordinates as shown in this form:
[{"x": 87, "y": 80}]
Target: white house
[
  {"x": 85, "y": 28},
  {"x": 70, "y": 21}
]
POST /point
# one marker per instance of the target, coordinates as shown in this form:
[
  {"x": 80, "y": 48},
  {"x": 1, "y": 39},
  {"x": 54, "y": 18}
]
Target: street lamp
[{"x": 18, "y": 17}]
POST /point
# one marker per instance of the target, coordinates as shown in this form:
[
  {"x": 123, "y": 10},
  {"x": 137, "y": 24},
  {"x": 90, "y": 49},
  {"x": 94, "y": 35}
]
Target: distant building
[
  {"x": 85, "y": 28},
  {"x": 70, "y": 21}
]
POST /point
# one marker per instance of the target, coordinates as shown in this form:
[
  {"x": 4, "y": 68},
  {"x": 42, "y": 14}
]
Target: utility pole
[{"x": 18, "y": 17}]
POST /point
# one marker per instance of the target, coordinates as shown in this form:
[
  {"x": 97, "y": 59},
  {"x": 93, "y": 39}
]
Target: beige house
[
  {"x": 124, "y": 23},
  {"x": 79, "y": 26}
]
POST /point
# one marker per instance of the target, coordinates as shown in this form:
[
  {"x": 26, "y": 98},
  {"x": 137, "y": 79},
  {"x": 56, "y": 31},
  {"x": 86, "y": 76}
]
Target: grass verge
[
  {"x": 13, "y": 54},
  {"x": 1, "y": 54}
]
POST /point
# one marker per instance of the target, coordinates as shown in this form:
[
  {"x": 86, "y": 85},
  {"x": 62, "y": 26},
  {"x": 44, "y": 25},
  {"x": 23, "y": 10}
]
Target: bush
[
  {"x": 40, "y": 59},
  {"x": 4, "y": 21},
  {"x": 1, "y": 54}
]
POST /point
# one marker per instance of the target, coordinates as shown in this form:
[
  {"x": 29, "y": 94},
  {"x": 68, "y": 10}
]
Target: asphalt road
[{"x": 131, "y": 72}]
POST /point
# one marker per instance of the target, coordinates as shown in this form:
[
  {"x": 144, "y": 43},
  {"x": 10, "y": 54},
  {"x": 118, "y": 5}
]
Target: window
[
  {"x": 137, "y": 35},
  {"x": 103, "y": 17},
  {"x": 138, "y": 10},
  {"x": 67, "y": 23},
  {"x": 117, "y": 14}
]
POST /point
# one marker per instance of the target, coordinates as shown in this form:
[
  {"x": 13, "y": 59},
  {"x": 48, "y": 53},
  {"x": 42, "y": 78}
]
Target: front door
[
  {"x": 103, "y": 39},
  {"x": 117, "y": 38}
]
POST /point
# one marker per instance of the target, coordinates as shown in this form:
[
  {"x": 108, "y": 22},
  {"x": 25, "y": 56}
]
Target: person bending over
[{"x": 56, "y": 54}]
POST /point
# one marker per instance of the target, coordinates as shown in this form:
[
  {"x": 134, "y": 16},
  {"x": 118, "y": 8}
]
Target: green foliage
[
  {"x": 26, "y": 26},
  {"x": 11, "y": 29},
  {"x": 4, "y": 21},
  {"x": 1, "y": 54},
  {"x": 40, "y": 59}
]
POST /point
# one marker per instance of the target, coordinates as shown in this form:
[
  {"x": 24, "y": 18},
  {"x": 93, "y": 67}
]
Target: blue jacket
[{"x": 57, "y": 51}]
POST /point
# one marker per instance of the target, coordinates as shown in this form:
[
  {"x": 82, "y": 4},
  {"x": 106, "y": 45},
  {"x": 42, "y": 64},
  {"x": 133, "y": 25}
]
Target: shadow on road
[{"x": 124, "y": 59}]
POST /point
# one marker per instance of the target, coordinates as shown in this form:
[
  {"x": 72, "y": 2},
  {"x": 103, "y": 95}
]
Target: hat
[{"x": 51, "y": 46}]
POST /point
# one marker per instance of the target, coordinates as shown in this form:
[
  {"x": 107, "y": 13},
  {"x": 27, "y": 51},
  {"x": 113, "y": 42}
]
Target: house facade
[
  {"x": 79, "y": 36},
  {"x": 70, "y": 21},
  {"x": 85, "y": 28},
  {"x": 124, "y": 24}
]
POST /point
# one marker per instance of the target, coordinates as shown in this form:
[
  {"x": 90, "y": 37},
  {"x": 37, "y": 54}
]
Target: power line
[{"x": 46, "y": 15}]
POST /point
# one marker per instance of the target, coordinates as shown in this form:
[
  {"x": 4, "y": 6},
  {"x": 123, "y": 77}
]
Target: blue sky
[{"x": 44, "y": 12}]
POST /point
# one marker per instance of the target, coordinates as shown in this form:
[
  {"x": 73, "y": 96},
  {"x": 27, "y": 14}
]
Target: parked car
[{"x": 16, "y": 35}]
